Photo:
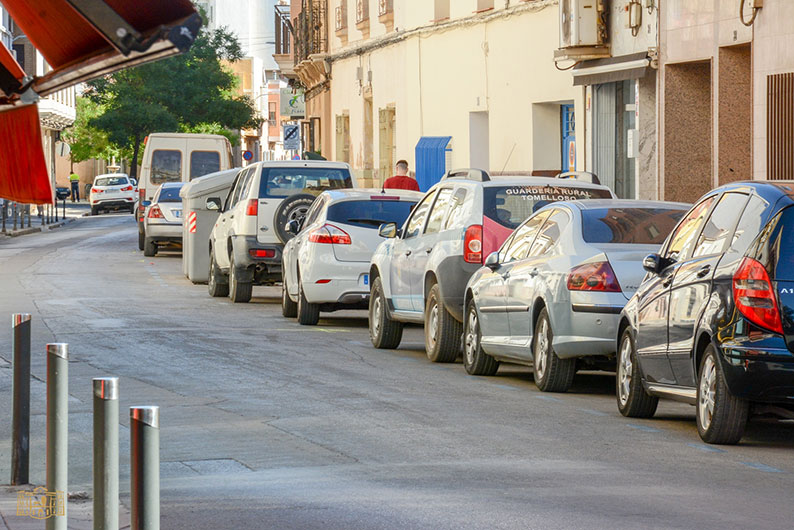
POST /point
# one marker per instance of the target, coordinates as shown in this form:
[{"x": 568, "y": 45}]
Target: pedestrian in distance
[
  {"x": 401, "y": 180},
  {"x": 74, "y": 180}
]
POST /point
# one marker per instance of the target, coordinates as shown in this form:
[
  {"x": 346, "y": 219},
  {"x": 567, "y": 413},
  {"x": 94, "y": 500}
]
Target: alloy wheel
[
  {"x": 432, "y": 325},
  {"x": 472, "y": 330},
  {"x": 625, "y": 367},
  {"x": 543, "y": 348},
  {"x": 375, "y": 320},
  {"x": 708, "y": 387}
]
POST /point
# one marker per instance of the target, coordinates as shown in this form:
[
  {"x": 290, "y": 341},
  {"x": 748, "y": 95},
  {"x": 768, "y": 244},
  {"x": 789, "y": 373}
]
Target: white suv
[{"x": 247, "y": 240}]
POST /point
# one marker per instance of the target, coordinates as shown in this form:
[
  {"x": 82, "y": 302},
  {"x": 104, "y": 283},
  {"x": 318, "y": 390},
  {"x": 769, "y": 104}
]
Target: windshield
[
  {"x": 283, "y": 182},
  {"x": 512, "y": 205},
  {"x": 640, "y": 226},
  {"x": 170, "y": 194},
  {"x": 370, "y": 214},
  {"x": 111, "y": 181}
]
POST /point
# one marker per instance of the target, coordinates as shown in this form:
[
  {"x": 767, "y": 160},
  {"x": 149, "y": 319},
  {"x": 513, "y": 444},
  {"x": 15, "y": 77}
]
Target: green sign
[{"x": 293, "y": 104}]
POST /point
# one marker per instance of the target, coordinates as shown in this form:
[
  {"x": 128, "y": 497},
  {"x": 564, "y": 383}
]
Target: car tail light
[
  {"x": 126, "y": 188},
  {"x": 593, "y": 277},
  {"x": 252, "y": 208},
  {"x": 472, "y": 244},
  {"x": 329, "y": 234},
  {"x": 262, "y": 253},
  {"x": 141, "y": 198},
  {"x": 155, "y": 213},
  {"x": 754, "y": 296},
  {"x": 96, "y": 190},
  {"x": 384, "y": 197}
]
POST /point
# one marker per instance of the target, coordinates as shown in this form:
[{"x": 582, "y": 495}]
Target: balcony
[
  {"x": 340, "y": 16},
  {"x": 283, "y": 55},
  {"x": 310, "y": 44},
  {"x": 362, "y": 15}
]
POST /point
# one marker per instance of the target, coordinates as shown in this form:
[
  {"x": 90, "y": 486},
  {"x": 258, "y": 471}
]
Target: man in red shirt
[{"x": 401, "y": 181}]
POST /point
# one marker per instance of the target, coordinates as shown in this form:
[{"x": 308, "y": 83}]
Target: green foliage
[
  {"x": 191, "y": 92},
  {"x": 88, "y": 142}
]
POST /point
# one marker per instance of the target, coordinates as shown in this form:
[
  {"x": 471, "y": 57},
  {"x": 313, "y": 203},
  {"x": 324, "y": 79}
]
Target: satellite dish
[{"x": 62, "y": 148}]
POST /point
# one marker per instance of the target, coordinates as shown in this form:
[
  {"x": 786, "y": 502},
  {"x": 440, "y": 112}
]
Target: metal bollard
[
  {"x": 57, "y": 431},
  {"x": 106, "y": 453},
  {"x": 15, "y": 216},
  {"x": 20, "y": 430},
  {"x": 145, "y": 467}
]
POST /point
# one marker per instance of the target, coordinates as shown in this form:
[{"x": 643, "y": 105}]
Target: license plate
[
  {"x": 366, "y": 279},
  {"x": 177, "y": 213}
]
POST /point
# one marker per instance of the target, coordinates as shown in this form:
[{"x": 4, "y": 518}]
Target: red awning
[{"x": 81, "y": 40}]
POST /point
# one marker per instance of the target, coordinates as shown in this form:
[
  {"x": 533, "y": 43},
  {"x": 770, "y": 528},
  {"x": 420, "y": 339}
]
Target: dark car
[
  {"x": 62, "y": 193},
  {"x": 712, "y": 323}
]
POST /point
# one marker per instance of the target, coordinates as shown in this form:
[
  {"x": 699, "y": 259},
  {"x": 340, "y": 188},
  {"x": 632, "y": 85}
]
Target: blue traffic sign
[
  {"x": 248, "y": 155},
  {"x": 292, "y": 139}
]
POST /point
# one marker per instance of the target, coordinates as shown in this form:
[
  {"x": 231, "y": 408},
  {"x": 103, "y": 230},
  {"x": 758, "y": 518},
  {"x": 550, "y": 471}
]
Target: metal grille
[
  {"x": 362, "y": 11},
  {"x": 341, "y": 16},
  {"x": 310, "y": 32},
  {"x": 385, "y": 7},
  {"x": 780, "y": 127},
  {"x": 283, "y": 30}
]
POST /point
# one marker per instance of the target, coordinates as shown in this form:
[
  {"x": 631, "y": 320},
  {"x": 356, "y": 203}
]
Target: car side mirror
[
  {"x": 492, "y": 261},
  {"x": 293, "y": 227},
  {"x": 146, "y": 203},
  {"x": 214, "y": 204},
  {"x": 652, "y": 263},
  {"x": 388, "y": 230}
]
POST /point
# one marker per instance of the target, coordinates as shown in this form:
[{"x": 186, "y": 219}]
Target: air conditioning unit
[{"x": 580, "y": 23}]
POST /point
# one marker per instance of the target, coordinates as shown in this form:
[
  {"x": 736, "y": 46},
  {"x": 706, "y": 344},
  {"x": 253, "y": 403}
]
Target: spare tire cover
[{"x": 293, "y": 207}]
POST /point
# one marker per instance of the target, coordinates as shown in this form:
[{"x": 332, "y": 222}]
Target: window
[
  {"x": 522, "y": 239},
  {"x": 511, "y": 205},
  {"x": 684, "y": 237},
  {"x": 550, "y": 233},
  {"x": 314, "y": 210},
  {"x": 166, "y": 166},
  {"x": 639, "y": 226},
  {"x": 203, "y": 163},
  {"x": 720, "y": 224},
  {"x": 417, "y": 220},
  {"x": 749, "y": 226},
  {"x": 484, "y": 5},
  {"x": 111, "y": 181},
  {"x": 235, "y": 190},
  {"x": 283, "y": 182},
  {"x": 170, "y": 194},
  {"x": 271, "y": 112},
  {"x": 439, "y": 213},
  {"x": 370, "y": 213},
  {"x": 441, "y": 10},
  {"x": 459, "y": 211}
]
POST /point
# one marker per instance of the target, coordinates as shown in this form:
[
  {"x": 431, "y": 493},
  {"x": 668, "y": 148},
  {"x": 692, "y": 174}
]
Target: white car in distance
[
  {"x": 326, "y": 265},
  {"x": 112, "y": 191}
]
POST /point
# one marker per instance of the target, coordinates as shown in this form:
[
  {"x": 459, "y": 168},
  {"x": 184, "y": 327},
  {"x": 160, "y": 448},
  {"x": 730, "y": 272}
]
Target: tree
[
  {"x": 192, "y": 91},
  {"x": 87, "y": 142}
]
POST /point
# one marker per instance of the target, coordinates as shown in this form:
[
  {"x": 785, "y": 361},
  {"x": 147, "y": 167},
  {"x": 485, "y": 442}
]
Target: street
[{"x": 268, "y": 424}]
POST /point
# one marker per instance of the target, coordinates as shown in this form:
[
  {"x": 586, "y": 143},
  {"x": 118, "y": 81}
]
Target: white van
[{"x": 174, "y": 157}]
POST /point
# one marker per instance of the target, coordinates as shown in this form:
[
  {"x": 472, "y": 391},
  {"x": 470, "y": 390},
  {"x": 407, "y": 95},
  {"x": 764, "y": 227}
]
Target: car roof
[
  {"x": 304, "y": 163},
  {"x": 368, "y": 193},
  {"x": 592, "y": 204},
  {"x": 518, "y": 180},
  {"x": 770, "y": 190},
  {"x": 112, "y": 175}
]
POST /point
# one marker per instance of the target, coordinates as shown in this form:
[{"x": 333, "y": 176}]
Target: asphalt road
[{"x": 268, "y": 424}]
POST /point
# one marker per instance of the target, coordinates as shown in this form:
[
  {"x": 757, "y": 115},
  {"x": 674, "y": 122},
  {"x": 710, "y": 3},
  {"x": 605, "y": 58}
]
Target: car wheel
[
  {"x": 141, "y": 237},
  {"x": 239, "y": 292},
  {"x": 384, "y": 332},
  {"x": 475, "y": 361},
  {"x": 216, "y": 283},
  {"x": 633, "y": 400},
  {"x": 721, "y": 416},
  {"x": 308, "y": 313},
  {"x": 95, "y": 211},
  {"x": 132, "y": 209},
  {"x": 149, "y": 248},
  {"x": 289, "y": 309},
  {"x": 442, "y": 331},
  {"x": 551, "y": 373}
]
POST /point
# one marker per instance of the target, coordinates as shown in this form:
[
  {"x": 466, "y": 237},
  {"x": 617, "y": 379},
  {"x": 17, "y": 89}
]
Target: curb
[{"x": 36, "y": 229}]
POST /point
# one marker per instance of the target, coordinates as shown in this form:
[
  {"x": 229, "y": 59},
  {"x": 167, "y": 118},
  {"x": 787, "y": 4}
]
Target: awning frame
[{"x": 610, "y": 70}]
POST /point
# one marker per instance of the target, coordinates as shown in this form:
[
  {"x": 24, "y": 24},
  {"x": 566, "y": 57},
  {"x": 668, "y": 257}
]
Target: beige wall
[{"x": 436, "y": 78}]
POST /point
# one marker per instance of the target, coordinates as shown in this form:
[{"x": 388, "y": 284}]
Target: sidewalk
[{"x": 73, "y": 211}]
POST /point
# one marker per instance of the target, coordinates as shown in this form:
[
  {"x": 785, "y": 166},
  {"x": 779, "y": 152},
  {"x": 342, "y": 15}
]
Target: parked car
[
  {"x": 62, "y": 193},
  {"x": 178, "y": 157},
  {"x": 326, "y": 265},
  {"x": 712, "y": 324},
  {"x": 420, "y": 273},
  {"x": 113, "y": 191},
  {"x": 163, "y": 218},
  {"x": 247, "y": 240},
  {"x": 551, "y": 296}
]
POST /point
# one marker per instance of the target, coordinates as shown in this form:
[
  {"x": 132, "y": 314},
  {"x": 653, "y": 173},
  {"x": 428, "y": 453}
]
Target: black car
[
  {"x": 62, "y": 193},
  {"x": 712, "y": 323}
]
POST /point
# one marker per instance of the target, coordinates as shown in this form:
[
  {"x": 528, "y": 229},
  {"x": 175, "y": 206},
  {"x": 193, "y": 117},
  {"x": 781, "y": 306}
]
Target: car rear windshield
[
  {"x": 512, "y": 205},
  {"x": 640, "y": 226},
  {"x": 370, "y": 214},
  {"x": 203, "y": 163},
  {"x": 283, "y": 182},
  {"x": 111, "y": 181},
  {"x": 170, "y": 194}
]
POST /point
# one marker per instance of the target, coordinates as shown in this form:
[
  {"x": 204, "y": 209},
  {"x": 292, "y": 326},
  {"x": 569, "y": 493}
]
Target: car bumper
[
  {"x": 348, "y": 285},
  {"x": 453, "y": 275},
  {"x": 584, "y": 327},
  {"x": 760, "y": 375},
  {"x": 117, "y": 202},
  {"x": 164, "y": 231},
  {"x": 253, "y": 268}
]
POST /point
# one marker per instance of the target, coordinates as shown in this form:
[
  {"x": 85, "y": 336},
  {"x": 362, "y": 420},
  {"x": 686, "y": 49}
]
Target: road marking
[
  {"x": 548, "y": 398},
  {"x": 706, "y": 448},
  {"x": 331, "y": 330},
  {"x": 643, "y": 428},
  {"x": 506, "y": 387},
  {"x": 762, "y": 467},
  {"x": 594, "y": 412}
]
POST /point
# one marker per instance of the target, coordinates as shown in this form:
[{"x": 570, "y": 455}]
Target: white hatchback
[
  {"x": 113, "y": 191},
  {"x": 326, "y": 265}
]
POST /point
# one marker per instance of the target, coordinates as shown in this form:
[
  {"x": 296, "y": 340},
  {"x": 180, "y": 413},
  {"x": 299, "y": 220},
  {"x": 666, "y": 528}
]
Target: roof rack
[
  {"x": 584, "y": 176},
  {"x": 477, "y": 175}
]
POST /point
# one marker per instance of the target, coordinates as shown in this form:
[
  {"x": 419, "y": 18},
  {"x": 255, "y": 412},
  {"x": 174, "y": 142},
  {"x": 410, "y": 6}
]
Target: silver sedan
[{"x": 554, "y": 291}]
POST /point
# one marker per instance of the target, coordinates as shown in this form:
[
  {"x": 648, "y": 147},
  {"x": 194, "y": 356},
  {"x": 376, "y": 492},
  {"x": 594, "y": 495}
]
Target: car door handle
[
  {"x": 429, "y": 250},
  {"x": 704, "y": 270},
  {"x": 407, "y": 252},
  {"x": 667, "y": 281},
  {"x": 533, "y": 272},
  {"x": 231, "y": 217}
]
